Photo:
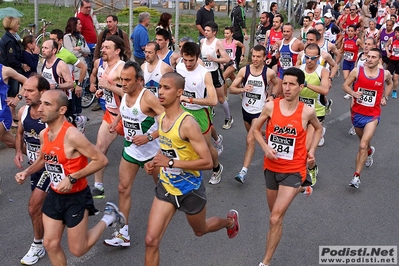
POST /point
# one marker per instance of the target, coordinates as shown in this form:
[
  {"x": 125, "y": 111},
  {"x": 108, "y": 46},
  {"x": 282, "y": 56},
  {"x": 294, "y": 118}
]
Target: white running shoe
[
  {"x": 355, "y": 182},
  {"x": 35, "y": 253},
  {"x": 118, "y": 240},
  {"x": 216, "y": 177},
  {"x": 369, "y": 160},
  {"x": 218, "y": 145},
  {"x": 321, "y": 142},
  {"x": 80, "y": 121},
  {"x": 352, "y": 131}
]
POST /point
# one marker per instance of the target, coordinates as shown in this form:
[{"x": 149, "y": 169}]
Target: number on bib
[
  {"x": 284, "y": 146},
  {"x": 56, "y": 173},
  {"x": 368, "y": 97}
]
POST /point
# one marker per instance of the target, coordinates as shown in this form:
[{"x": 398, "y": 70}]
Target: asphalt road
[{"x": 335, "y": 214}]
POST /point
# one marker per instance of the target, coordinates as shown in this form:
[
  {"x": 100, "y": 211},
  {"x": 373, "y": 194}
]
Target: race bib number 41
[{"x": 284, "y": 146}]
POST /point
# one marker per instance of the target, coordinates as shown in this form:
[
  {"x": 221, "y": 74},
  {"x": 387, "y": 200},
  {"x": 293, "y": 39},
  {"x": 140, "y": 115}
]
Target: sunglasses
[{"x": 311, "y": 57}]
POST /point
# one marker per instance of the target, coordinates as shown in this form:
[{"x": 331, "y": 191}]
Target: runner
[
  {"x": 162, "y": 37},
  {"x": 107, "y": 70},
  {"x": 286, "y": 155},
  {"x": 304, "y": 30},
  {"x": 369, "y": 93},
  {"x": 392, "y": 50},
  {"x": 138, "y": 110},
  {"x": 153, "y": 67},
  {"x": 183, "y": 155},
  {"x": 213, "y": 54},
  {"x": 29, "y": 128},
  {"x": 65, "y": 152},
  {"x": 273, "y": 35},
  {"x": 313, "y": 94},
  {"x": 198, "y": 80},
  {"x": 255, "y": 79}
]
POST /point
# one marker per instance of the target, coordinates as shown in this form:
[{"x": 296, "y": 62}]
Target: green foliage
[{"x": 136, "y": 11}]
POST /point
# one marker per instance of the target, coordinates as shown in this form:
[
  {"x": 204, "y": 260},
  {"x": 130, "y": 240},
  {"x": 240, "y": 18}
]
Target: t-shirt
[
  {"x": 88, "y": 30},
  {"x": 140, "y": 39},
  {"x": 203, "y": 16}
]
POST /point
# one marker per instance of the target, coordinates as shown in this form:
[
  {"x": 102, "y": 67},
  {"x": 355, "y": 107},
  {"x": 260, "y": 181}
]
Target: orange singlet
[
  {"x": 58, "y": 165},
  {"x": 286, "y": 135}
]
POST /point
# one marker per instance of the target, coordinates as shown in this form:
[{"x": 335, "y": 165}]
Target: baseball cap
[
  {"x": 240, "y": 1},
  {"x": 383, "y": 1},
  {"x": 327, "y": 15}
]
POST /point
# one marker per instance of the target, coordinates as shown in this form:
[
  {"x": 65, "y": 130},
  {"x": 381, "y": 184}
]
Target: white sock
[
  {"x": 108, "y": 219},
  {"x": 38, "y": 241},
  {"x": 244, "y": 169},
  {"x": 124, "y": 230},
  {"x": 99, "y": 185}
]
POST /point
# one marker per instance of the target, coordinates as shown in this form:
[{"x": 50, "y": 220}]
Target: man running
[
  {"x": 138, "y": 110},
  {"x": 153, "y": 67},
  {"x": 369, "y": 93},
  {"x": 107, "y": 70},
  {"x": 28, "y": 137},
  {"x": 286, "y": 155},
  {"x": 184, "y": 153},
  {"x": 255, "y": 79},
  {"x": 198, "y": 81},
  {"x": 65, "y": 153}
]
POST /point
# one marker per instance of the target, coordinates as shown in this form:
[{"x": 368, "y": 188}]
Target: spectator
[
  {"x": 337, "y": 11},
  {"x": 74, "y": 41},
  {"x": 140, "y": 37},
  {"x": 112, "y": 29},
  {"x": 273, "y": 10},
  {"x": 30, "y": 55},
  {"x": 165, "y": 23},
  {"x": 239, "y": 28},
  {"x": 366, "y": 13},
  {"x": 10, "y": 44},
  {"x": 204, "y": 15}
]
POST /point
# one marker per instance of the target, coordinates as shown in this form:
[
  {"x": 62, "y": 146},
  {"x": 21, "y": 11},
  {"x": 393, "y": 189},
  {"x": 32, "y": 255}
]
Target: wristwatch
[
  {"x": 305, "y": 84},
  {"x": 57, "y": 86},
  {"x": 170, "y": 163},
  {"x": 273, "y": 95},
  {"x": 80, "y": 84},
  {"x": 19, "y": 96},
  {"x": 149, "y": 137},
  {"x": 72, "y": 180}
]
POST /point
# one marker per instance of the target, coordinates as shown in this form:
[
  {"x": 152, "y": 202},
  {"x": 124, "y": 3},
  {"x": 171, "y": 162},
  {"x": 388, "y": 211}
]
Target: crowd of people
[{"x": 161, "y": 103}]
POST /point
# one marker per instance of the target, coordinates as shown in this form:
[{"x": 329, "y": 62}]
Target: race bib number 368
[{"x": 284, "y": 146}]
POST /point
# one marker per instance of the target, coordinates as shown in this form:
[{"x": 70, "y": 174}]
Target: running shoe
[
  {"x": 98, "y": 193},
  {"x": 321, "y": 141},
  {"x": 216, "y": 177},
  {"x": 352, "y": 131},
  {"x": 213, "y": 111},
  {"x": 35, "y": 253},
  {"x": 369, "y": 160},
  {"x": 118, "y": 240},
  {"x": 228, "y": 122},
  {"x": 233, "y": 231},
  {"x": 355, "y": 182},
  {"x": 80, "y": 121},
  {"x": 113, "y": 210},
  {"x": 262, "y": 264},
  {"x": 337, "y": 74},
  {"x": 328, "y": 107},
  {"x": 347, "y": 96},
  {"x": 394, "y": 95},
  {"x": 218, "y": 145},
  {"x": 313, "y": 174},
  {"x": 240, "y": 177},
  {"x": 308, "y": 191}
]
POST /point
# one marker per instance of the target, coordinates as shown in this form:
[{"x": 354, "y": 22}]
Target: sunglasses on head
[{"x": 311, "y": 57}]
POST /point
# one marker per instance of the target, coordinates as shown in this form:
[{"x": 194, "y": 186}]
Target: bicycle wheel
[
  {"x": 23, "y": 33},
  {"x": 87, "y": 97},
  {"x": 40, "y": 40}
]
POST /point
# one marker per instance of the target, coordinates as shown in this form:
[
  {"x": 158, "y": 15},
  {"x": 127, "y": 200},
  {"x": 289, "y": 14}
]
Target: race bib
[
  {"x": 230, "y": 52},
  {"x": 286, "y": 62},
  {"x": 348, "y": 56},
  {"x": 207, "y": 64},
  {"x": 308, "y": 101},
  {"x": 284, "y": 146},
  {"x": 153, "y": 89},
  {"x": 368, "y": 97},
  {"x": 56, "y": 173},
  {"x": 383, "y": 45},
  {"x": 108, "y": 96},
  {"x": 131, "y": 129},
  {"x": 253, "y": 99},
  {"x": 171, "y": 154},
  {"x": 395, "y": 52},
  {"x": 32, "y": 151}
]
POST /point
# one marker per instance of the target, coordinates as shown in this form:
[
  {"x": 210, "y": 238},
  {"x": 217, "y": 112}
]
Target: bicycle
[
  {"x": 88, "y": 97},
  {"x": 43, "y": 34}
]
